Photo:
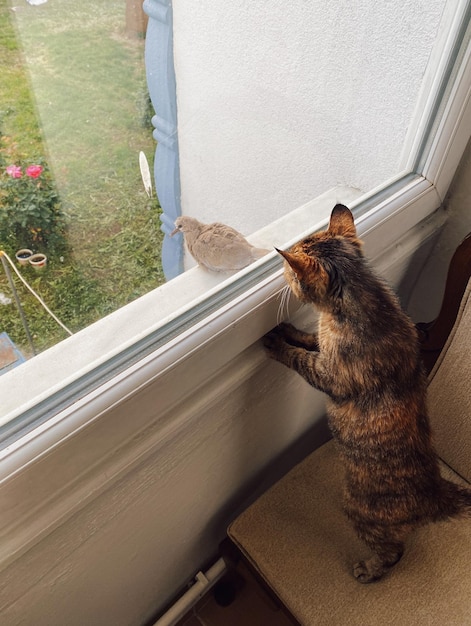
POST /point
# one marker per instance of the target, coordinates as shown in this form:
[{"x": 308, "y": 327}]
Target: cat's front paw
[
  {"x": 298, "y": 338},
  {"x": 274, "y": 342}
]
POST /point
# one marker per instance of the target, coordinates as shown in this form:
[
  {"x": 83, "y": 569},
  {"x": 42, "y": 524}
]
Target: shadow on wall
[{"x": 426, "y": 293}]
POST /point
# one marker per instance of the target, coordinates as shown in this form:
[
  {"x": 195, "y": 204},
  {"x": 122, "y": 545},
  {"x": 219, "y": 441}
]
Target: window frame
[{"x": 79, "y": 447}]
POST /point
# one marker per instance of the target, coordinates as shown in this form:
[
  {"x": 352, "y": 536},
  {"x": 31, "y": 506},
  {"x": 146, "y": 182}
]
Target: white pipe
[{"x": 203, "y": 584}]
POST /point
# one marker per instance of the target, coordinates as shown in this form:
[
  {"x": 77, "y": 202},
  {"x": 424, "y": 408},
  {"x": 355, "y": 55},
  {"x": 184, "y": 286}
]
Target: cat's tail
[{"x": 455, "y": 501}]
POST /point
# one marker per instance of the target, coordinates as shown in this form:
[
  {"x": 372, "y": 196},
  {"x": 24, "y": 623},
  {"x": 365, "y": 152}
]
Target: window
[
  {"x": 75, "y": 106},
  {"x": 99, "y": 431},
  {"x": 199, "y": 307}
]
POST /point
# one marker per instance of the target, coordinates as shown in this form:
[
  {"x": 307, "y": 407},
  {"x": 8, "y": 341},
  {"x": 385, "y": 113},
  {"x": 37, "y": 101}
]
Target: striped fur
[{"x": 365, "y": 357}]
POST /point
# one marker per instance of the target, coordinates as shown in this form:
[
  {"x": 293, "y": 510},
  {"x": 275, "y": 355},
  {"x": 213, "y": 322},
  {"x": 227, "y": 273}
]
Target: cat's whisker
[
  {"x": 281, "y": 299},
  {"x": 288, "y": 295},
  {"x": 283, "y": 307}
]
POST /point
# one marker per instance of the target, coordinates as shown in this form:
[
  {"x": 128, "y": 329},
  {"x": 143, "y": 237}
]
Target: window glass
[
  {"x": 258, "y": 110},
  {"x": 75, "y": 114}
]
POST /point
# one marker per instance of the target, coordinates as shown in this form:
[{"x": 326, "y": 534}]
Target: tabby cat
[{"x": 365, "y": 357}]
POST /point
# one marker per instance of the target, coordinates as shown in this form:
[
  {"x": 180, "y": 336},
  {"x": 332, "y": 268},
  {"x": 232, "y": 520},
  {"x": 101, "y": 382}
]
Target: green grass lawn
[{"x": 73, "y": 91}]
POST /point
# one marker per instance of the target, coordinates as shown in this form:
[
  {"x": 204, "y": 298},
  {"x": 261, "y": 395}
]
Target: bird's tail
[{"x": 257, "y": 253}]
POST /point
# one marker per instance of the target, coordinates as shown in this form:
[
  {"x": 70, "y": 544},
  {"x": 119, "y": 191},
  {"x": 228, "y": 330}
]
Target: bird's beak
[{"x": 174, "y": 232}]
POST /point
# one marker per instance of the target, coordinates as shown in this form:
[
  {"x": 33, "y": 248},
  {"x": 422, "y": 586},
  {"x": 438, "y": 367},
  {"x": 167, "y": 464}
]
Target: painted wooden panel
[{"x": 161, "y": 82}]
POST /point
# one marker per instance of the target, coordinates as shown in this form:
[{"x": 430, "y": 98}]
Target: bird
[{"x": 217, "y": 246}]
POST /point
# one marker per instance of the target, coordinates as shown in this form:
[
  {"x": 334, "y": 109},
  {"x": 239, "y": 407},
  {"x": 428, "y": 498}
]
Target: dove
[{"x": 216, "y": 246}]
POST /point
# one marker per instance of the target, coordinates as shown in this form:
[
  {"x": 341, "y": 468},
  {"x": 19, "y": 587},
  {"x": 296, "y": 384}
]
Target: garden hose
[{"x": 4, "y": 256}]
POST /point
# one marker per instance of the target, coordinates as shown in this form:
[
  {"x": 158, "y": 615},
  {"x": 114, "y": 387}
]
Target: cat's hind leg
[
  {"x": 387, "y": 545},
  {"x": 374, "y": 568}
]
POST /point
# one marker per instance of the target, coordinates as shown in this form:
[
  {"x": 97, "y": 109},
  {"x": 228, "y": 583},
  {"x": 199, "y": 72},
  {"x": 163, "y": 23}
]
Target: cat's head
[{"x": 318, "y": 267}]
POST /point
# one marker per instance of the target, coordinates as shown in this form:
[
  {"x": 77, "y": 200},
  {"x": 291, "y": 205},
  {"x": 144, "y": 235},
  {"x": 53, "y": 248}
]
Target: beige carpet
[{"x": 298, "y": 539}]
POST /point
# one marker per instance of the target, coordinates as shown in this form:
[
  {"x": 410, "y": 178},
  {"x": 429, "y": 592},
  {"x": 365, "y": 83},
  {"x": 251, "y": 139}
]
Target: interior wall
[{"x": 426, "y": 294}]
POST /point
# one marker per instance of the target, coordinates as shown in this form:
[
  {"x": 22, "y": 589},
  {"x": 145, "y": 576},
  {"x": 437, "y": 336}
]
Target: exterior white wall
[{"x": 279, "y": 101}]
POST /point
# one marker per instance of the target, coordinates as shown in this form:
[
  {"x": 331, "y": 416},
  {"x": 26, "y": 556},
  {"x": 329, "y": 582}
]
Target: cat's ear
[
  {"x": 341, "y": 222},
  {"x": 299, "y": 262}
]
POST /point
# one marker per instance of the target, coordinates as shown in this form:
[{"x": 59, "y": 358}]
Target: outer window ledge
[{"x": 85, "y": 352}]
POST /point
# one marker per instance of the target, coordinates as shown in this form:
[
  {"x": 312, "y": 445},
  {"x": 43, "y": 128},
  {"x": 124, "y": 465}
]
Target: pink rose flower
[
  {"x": 33, "y": 171},
  {"x": 14, "y": 171}
]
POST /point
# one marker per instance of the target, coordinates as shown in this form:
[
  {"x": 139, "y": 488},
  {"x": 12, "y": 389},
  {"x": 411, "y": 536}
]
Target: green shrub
[{"x": 30, "y": 208}]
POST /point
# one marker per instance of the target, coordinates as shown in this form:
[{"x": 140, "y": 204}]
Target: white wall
[{"x": 307, "y": 95}]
